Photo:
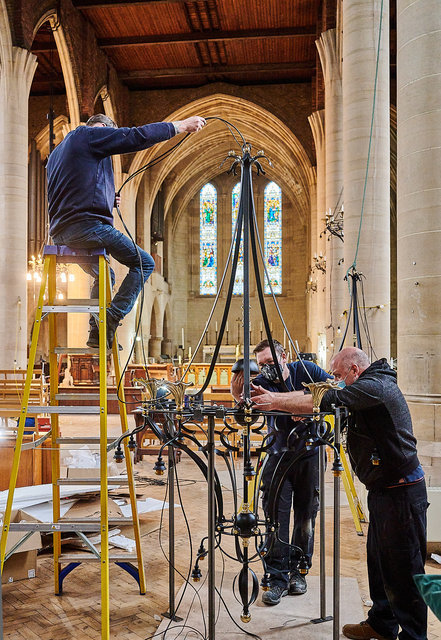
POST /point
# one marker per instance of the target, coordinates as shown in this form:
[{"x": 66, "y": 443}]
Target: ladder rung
[
  {"x": 80, "y": 301},
  {"x": 89, "y": 557},
  {"x": 55, "y": 526},
  {"x": 83, "y": 396},
  {"x": 77, "y": 351},
  {"x": 85, "y": 440},
  {"x": 94, "y": 481},
  {"x": 65, "y": 308},
  {"x": 121, "y": 520},
  {"x": 67, "y": 410}
]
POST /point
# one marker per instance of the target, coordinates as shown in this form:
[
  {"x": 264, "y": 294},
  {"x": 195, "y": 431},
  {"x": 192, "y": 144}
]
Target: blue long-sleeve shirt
[{"x": 79, "y": 171}]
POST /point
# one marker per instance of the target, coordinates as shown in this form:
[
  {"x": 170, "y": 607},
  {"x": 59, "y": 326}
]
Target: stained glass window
[
  {"x": 208, "y": 240},
  {"x": 273, "y": 236},
  {"x": 238, "y": 282}
]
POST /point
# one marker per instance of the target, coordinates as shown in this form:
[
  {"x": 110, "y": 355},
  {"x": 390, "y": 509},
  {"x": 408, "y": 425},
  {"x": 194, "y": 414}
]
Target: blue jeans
[
  {"x": 299, "y": 493},
  {"x": 90, "y": 235},
  {"x": 396, "y": 551}
]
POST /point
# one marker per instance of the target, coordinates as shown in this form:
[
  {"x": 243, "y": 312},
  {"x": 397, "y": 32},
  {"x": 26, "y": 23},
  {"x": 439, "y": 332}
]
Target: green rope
[{"x": 354, "y": 264}]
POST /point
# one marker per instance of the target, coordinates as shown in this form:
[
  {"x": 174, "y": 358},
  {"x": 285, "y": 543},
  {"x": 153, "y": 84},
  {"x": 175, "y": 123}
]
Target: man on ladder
[{"x": 81, "y": 195}]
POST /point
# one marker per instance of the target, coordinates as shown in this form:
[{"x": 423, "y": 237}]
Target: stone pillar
[
  {"x": 419, "y": 221},
  {"x": 311, "y": 296},
  {"x": 334, "y": 251},
  {"x": 155, "y": 347},
  {"x": 361, "y": 23},
  {"x": 317, "y": 123},
  {"x": 16, "y": 73}
]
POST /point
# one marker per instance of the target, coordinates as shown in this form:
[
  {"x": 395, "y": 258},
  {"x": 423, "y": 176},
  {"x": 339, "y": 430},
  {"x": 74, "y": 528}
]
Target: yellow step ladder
[{"x": 54, "y": 255}]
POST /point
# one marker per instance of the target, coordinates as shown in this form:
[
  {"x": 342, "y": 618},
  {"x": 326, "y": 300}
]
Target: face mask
[
  {"x": 341, "y": 384},
  {"x": 269, "y": 372}
]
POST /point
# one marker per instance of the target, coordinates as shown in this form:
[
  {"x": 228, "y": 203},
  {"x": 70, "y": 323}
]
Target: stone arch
[
  {"x": 66, "y": 64},
  {"x": 201, "y": 158},
  {"x": 156, "y": 320},
  {"x": 166, "y": 344},
  {"x": 109, "y": 110},
  {"x": 5, "y": 33}
]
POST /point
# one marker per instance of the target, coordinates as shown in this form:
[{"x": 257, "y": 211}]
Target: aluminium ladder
[{"x": 53, "y": 255}]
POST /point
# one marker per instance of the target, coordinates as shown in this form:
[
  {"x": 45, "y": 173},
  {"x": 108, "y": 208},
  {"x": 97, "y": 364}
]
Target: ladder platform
[
  {"x": 33, "y": 409},
  {"x": 89, "y": 557},
  {"x": 66, "y": 254},
  {"x": 66, "y": 308},
  {"x": 55, "y": 526},
  {"x": 114, "y": 480}
]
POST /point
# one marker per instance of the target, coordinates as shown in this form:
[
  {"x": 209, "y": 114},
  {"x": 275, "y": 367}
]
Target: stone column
[
  {"x": 334, "y": 251},
  {"x": 361, "y": 23},
  {"x": 155, "y": 347},
  {"x": 419, "y": 221},
  {"x": 311, "y": 296},
  {"x": 16, "y": 73},
  {"x": 317, "y": 123}
]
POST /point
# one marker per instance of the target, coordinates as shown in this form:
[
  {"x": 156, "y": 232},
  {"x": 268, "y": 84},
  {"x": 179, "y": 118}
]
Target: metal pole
[
  {"x": 211, "y": 532},
  {"x": 322, "y": 468},
  {"x": 322, "y": 458},
  {"x": 245, "y": 198},
  {"x": 171, "y": 613},
  {"x": 336, "y": 577}
]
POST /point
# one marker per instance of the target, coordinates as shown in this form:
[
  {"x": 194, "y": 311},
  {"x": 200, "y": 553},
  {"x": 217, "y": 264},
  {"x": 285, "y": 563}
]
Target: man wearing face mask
[
  {"x": 383, "y": 454},
  {"x": 300, "y": 490}
]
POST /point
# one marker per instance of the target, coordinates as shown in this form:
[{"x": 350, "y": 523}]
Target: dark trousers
[
  {"x": 300, "y": 492},
  {"x": 396, "y": 551}
]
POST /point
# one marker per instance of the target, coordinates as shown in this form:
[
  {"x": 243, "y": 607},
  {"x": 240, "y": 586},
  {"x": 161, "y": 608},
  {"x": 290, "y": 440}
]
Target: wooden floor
[{"x": 32, "y": 611}]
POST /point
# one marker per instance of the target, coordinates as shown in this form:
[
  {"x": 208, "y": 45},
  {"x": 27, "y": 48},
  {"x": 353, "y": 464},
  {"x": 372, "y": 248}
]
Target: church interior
[{"x": 338, "y": 104}]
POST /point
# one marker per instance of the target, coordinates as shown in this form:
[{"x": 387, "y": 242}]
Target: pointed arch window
[
  {"x": 208, "y": 240},
  {"x": 273, "y": 236},
  {"x": 238, "y": 282}
]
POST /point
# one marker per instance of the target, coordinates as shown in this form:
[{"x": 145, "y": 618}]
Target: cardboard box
[
  {"x": 20, "y": 566},
  {"x": 23, "y": 562}
]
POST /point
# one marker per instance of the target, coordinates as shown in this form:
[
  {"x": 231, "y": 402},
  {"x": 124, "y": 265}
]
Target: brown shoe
[{"x": 362, "y": 631}]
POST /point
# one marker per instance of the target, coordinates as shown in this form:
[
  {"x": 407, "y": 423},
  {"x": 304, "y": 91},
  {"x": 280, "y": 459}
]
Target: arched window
[
  {"x": 208, "y": 240},
  {"x": 238, "y": 282},
  {"x": 273, "y": 236}
]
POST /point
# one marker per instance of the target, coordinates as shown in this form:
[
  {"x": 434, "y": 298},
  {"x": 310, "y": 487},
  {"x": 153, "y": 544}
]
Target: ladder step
[
  {"x": 77, "y": 351},
  {"x": 85, "y": 440},
  {"x": 93, "y": 481},
  {"x": 83, "y": 396},
  {"x": 32, "y": 409},
  {"x": 66, "y": 308},
  {"x": 55, "y": 526},
  {"x": 96, "y": 521},
  {"x": 89, "y": 557},
  {"x": 77, "y": 302}
]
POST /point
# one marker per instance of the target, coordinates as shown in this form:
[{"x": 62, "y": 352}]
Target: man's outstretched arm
[{"x": 291, "y": 402}]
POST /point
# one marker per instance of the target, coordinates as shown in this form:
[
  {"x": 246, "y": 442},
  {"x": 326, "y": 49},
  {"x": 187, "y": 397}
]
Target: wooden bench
[{"x": 12, "y": 383}]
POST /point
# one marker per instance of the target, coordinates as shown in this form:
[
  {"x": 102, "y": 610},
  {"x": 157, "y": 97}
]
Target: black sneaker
[
  {"x": 274, "y": 595},
  {"x": 297, "y": 584},
  {"x": 93, "y": 340},
  {"x": 111, "y": 326}
]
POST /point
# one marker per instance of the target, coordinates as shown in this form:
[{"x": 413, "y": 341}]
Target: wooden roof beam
[
  {"x": 206, "y": 36},
  {"x": 104, "y": 4},
  {"x": 147, "y": 74}
]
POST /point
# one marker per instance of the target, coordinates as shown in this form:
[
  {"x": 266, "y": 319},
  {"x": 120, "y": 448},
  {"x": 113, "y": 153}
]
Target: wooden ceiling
[{"x": 188, "y": 43}]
